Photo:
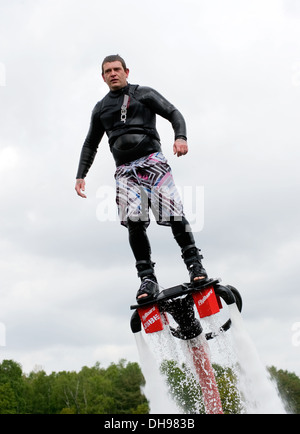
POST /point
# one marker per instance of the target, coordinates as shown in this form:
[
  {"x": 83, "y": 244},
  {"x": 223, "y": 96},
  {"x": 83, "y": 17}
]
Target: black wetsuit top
[{"x": 128, "y": 116}]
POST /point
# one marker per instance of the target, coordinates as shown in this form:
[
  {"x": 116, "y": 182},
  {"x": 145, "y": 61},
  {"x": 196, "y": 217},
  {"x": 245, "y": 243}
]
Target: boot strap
[
  {"x": 145, "y": 268},
  {"x": 186, "y": 248},
  {"x": 188, "y": 259}
]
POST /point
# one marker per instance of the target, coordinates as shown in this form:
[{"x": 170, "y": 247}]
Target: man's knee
[{"x": 136, "y": 226}]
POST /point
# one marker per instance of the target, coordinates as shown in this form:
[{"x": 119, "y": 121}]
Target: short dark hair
[{"x": 114, "y": 58}]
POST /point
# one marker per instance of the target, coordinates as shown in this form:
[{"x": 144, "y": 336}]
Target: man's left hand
[{"x": 180, "y": 147}]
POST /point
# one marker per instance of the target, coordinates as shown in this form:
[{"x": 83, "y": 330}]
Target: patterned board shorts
[{"x": 147, "y": 183}]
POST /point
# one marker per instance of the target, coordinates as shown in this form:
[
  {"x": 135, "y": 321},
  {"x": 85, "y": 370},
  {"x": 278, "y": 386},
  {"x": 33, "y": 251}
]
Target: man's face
[{"x": 114, "y": 75}]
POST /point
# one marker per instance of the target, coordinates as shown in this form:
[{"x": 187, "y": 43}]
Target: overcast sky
[{"x": 67, "y": 275}]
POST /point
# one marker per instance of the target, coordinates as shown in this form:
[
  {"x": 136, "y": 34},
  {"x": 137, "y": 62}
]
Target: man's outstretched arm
[{"x": 88, "y": 153}]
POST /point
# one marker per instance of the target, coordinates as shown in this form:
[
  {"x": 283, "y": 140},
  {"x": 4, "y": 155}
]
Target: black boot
[
  {"x": 192, "y": 259},
  {"x": 149, "y": 286}
]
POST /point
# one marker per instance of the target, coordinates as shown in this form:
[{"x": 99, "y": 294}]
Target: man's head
[{"x": 115, "y": 72}]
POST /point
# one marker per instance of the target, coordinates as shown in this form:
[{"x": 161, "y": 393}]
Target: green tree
[
  {"x": 183, "y": 387},
  {"x": 187, "y": 392},
  {"x": 11, "y": 375},
  {"x": 96, "y": 391},
  {"x": 127, "y": 380},
  {"x": 67, "y": 392},
  {"x": 39, "y": 392},
  {"x": 227, "y": 385},
  {"x": 8, "y": 402},
  {"x": 289, "y": 388}
]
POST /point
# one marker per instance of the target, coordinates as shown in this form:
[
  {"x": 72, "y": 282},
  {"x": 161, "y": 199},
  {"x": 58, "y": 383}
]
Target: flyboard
[{"x": 180, "y": 302}]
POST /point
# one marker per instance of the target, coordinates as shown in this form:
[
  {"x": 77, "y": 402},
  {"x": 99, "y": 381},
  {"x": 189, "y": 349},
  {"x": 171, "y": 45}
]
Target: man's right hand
[{"x": 80, "y": 187}]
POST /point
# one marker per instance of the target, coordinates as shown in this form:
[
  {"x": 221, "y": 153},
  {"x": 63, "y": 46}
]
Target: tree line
[
  {"x": 96, "y": 390},
  {"x": 118, "y": 389}
]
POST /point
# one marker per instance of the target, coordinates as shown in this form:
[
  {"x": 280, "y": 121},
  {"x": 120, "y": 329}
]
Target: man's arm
[
  {"x": 156, "y": 102},
  {"x": 89, "y": 151}
]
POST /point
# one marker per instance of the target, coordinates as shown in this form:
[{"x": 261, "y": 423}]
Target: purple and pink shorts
[{"x": 147, "y": 183}]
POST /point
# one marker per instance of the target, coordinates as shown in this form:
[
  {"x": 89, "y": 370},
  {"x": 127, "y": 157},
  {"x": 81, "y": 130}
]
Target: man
[{"x": 127, "y": 114}]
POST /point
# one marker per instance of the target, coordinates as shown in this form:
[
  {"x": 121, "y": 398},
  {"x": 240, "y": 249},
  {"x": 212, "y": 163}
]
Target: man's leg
[
  {"x": 141, "y": 249},
  {"x": 167, "y": 208},
  {"x": 133, "y": 209},
  {"x": 138, "y": 240},
  {"x": 190, "y": 253}
]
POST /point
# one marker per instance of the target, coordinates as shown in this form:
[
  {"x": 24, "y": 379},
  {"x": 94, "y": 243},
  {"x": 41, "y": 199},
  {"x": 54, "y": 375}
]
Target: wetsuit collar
[{"x": 120, "y": 91}]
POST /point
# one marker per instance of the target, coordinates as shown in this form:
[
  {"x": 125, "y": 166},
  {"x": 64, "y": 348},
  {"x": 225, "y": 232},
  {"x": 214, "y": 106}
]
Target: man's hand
[
  {"x": 180, "y": 147},
  {"x": 80, "y": 187}
]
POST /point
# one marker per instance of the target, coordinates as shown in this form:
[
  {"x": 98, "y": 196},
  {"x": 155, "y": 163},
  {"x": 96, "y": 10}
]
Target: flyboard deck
[{"x": 177, "y": 291}]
